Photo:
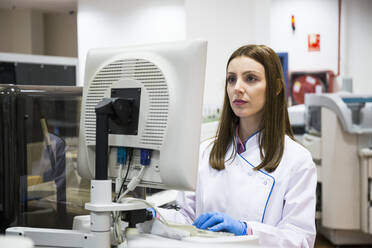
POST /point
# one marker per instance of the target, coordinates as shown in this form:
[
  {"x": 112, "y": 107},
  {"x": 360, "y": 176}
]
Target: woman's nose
[{"x": 239, "y": 86}]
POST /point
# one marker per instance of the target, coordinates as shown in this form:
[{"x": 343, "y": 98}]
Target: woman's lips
[{"x": 239, "y": 102}]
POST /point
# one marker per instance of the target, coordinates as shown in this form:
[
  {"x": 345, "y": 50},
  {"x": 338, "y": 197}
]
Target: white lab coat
[{"x": 278, "y": 206}]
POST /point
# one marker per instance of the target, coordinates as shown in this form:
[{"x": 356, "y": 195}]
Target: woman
[{"x": 254, "y": 178}]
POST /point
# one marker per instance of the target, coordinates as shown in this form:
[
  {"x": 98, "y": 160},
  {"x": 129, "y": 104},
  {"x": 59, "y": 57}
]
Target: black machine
[
  {"x": 12, "y": 156},
  {"x": 31, "y": 116}
]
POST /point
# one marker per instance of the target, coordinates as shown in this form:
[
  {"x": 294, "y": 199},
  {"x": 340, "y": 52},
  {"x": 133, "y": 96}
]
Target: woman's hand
[{"x": 220, "y": 222}]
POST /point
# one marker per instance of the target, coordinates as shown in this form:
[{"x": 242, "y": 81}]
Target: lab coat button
[{"x": 265, "y": 182}]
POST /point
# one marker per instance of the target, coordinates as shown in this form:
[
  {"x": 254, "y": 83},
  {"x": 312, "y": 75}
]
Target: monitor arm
[{"x": 119, "y": 110}]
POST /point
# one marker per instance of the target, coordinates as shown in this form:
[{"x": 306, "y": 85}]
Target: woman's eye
[
  {"x": 231, "y": 80},
  {"x": 250, "y": 78}
]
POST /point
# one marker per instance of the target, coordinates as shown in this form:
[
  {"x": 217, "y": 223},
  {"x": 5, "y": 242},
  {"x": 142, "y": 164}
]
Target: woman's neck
[{"x": 248, "y": 126}]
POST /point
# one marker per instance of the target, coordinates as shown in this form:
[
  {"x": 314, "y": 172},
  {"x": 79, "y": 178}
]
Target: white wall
[
  {"x": 120, "y": 23},
  {"x": 226, "y": 25},
  {"x": 356, "y": 44},
  {"x": 311, "y": 17},
  {"x": 321, "y": 16},
  {"x": 60, "y": 34}
]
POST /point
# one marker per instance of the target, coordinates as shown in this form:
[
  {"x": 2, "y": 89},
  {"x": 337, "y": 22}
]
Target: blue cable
[
  {"x": 145, "y": 157},
  {"x": 122, "y": 155}
]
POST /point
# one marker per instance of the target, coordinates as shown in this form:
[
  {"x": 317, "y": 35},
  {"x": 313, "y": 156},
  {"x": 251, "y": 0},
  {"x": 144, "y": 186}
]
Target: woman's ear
[{"x": 279, "y": 86}]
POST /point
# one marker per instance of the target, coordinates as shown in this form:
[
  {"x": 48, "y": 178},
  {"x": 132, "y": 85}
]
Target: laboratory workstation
[{"x": 185, "y": 123}]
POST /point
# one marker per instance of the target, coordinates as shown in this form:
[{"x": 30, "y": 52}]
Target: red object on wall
[
  {"x": 305, "y": 84},
  {"x": 313, "y": 42},
  {"x": 302, "y": 82}
]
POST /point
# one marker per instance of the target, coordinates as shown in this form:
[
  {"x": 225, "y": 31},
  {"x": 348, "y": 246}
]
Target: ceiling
[{"x": 59, "y": 6}]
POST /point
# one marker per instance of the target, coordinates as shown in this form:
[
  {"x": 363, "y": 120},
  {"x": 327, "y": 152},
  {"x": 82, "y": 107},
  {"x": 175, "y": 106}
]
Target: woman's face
[{"x": 246, "y": 85}]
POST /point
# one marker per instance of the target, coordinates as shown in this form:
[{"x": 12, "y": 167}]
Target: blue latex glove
[
  {"x": 153, "y": 211},
  {"x": 220, "y": 222}
]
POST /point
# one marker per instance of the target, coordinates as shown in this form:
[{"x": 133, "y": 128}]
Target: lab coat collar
[
  {"x": 251, "y": 142},
  {"x": 251, "y": 151}
]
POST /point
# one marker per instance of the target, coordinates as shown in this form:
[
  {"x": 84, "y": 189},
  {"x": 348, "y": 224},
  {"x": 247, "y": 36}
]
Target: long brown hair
[{"x": 275, "y": 121}]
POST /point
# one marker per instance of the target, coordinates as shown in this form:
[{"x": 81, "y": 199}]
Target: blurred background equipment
[
  {"x": 339, "y": 137},
  {"x": 297, "y": 119},
  {"x": 24, "y": 69},
  {"x": 302, "y": 82},
  {"x": 283, "y": 56}
]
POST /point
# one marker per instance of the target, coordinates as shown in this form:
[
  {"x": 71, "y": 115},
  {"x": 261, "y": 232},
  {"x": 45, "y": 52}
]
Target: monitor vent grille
[{"x": 153, "y": 81}]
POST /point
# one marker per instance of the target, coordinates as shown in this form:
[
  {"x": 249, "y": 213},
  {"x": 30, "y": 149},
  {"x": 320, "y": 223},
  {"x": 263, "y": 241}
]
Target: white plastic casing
[{"x": 171, "y": 79}]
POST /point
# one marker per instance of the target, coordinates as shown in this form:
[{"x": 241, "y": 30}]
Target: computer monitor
[{"x": 166, "y": 82}]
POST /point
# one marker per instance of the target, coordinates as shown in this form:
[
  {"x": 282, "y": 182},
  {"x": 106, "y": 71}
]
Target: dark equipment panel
[
  {"x": 37, "y": 74},
  {"x": 132, "y": 127}
]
